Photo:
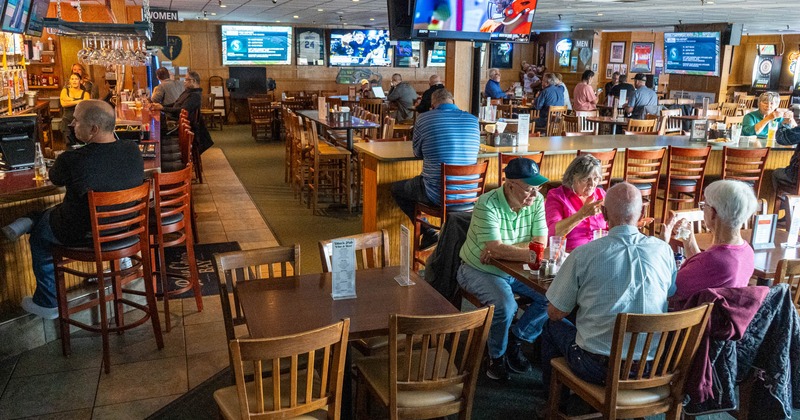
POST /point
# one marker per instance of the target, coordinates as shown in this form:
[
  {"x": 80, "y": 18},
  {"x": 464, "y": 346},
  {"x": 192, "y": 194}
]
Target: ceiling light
[
  {"x": 371, "y": 18},
  {"x": 277, "y": 21},
  {"x": 710, "y": 2},
  {"x": 599, "y": 14},
  {"x": 355, "y": 0},
  {"x": 296, "y": 17},
  {"x": 320, "y": 10},
  {"x": 213, "y": 14}
]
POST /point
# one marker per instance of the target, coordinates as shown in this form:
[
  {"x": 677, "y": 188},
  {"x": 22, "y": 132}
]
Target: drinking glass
[
  {"x": 773, "y": 127},
  {"x": 558, "y": 245},
  {"x": 599, "y": 233},
  {"x": 736, "y": 132}
]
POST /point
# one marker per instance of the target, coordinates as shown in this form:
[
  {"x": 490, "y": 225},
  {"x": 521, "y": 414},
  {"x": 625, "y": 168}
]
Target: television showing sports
[
  {"x": 694, "y": 53},
  {"x": 470, "y": 20},
  {"x": 359, "y": 47},
  {"x": 36, "y": 17},
  {"x": 256, "y": 45},
  {"x": 437, "y": 54},
  {"x": 15, "y": 16},
  {"x": 406, "y": 54}
]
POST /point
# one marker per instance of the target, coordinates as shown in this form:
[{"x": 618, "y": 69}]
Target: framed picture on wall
[
  {"x": 310, "y": 47},
  {"x": 641, "y": 57},
  {"x": 501, "y": 55},
  {"x": 617, "y": 54}
]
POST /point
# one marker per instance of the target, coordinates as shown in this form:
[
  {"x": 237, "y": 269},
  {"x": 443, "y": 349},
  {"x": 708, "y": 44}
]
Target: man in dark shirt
[
  {"x": 190, "y": 99},
  {"x": 610, "y": 85},
  {"x": 787, "y": 177},
  {"x": 103, "y": 164},
  {"x": 435, "y": 83},
  {"x": 623, "y": 85}
]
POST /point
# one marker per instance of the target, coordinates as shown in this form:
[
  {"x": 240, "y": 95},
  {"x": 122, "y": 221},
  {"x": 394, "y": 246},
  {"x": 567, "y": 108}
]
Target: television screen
[
  {"x": 406, "y": 54},
  {"x": 359, "y": 47},
  {"x": 501, "y": 55},
  {"x": 694, "y": 53},
  {"x": 15, "y": 16},
  {"x": 310, "y": 47},
  {"x": 766, "y": 49},
  {"x": 496, "y": 20},
  {"x": 36, "y": 17},
  {"x": 256, "y": 45},
  {"x": 436, "y": 55}
]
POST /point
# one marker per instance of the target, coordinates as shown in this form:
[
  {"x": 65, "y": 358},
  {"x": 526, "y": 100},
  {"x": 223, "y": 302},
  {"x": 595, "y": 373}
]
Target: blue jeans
[
  {"x": 41, "y": 242},
  {"x": 499, "y": 291},
  {"x": 558, "y": 340}
]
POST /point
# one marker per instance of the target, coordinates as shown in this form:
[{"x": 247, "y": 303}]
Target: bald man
[
  {"x": 435, "y": 83},
  {"x": 625, "y": 271}
]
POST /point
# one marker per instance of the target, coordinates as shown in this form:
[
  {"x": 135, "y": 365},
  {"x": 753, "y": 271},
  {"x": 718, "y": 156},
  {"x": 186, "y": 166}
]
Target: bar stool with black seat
[
  {"x": 119, "y": 230},
  {"x": 170, "y": 225},
  {"x": 457, "y": 181},
  {"x": 683, "y": 182}
]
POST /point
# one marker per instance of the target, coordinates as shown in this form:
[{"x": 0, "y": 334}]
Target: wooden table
[
  {"x": 614, "y": 122},
  {"x": 532, "y": 280},
  {"x": 766, "y": 260},
  {"x": 348, "y": 127}
]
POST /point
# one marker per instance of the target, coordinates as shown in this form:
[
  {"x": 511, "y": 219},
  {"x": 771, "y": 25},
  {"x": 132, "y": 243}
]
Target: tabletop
[
  {"x": 276, "y": 307},
  {"x": 766, "y": 260},
  {"x": 353, "y": 124},
  {"x": 515, "y": 269},
  {"x": 609, "y": 120}
]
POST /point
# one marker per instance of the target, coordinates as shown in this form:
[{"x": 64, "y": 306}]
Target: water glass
[
  {"x": 599, "y": 233},
  {"x": 558, "y": 245},
  {"x": 773, "y": 127}
]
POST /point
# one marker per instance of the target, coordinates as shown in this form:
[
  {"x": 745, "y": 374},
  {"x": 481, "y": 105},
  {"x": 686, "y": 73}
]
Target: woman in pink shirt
[
  {"x": 573, "y": 209},
  {"x": 584, "y": 97},
  {"x": 728, "y": 262}
]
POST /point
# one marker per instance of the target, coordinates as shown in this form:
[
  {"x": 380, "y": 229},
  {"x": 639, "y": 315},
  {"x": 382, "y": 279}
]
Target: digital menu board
[
  {"x": 256, "y": 45},
  {"x": 692, "y": 53}
]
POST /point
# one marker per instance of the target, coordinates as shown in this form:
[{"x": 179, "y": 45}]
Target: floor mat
[{"x": 178, "y": 267}]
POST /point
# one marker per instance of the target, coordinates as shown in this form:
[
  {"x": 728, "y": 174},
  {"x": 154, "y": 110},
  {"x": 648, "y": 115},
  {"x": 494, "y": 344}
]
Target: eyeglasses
[
  {"x": 528, "y": 189},
  {"x": 596, "y": 179}
]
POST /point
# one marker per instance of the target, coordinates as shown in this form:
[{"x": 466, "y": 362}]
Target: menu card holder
[
  {"x": 404, "y": 279},
  {"x": 699, "y": 131},
  {"x": 523, "y": 127},
  {"x": 343, "y": 275},
  {"x": 322, "y": 108},
  {"x": 764, "y": 231},
  {"x": 794, "y": 225}
]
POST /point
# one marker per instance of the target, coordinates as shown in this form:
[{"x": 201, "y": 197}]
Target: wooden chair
[
  {"x": 333, "y": 103},
  {"x": 388, "y": 127},
  {"x": 642, "y": 126},
  {"x": 788, "y": 272},
  {"x": 586, "y": 126},
  {"x": 503, "y": 111},
  {"x": 686, "y": 168},
  {"x": 635, "y": 389},
  {"x": 504, "y": 158},
  {"x": 457, "y": 181},
  {"x": 255, "y": 264},
  {"x": 302, "y": 154},
  {"x": 606, "y": 159},
  {"x": 640, "y": 133},
  {"x": 372, "y": 250},
  {"x": 375, "y": 106},
  {"x": 746, "y": 165},
  {"x": 210, "y": 112},
  {"x": 261, "y": 117},
  {"x": 746, "y": 101},
  {"x": 312, "y": 384},
  {"x": 642, "y": 169},
  {"x": 571, "y": 126},
  {"x": 434, "y": 372},
  {"x": 554, "y": 115},
  {"x": 119, "y": 223},
  {"x": 330, "y": 170},
  {"x": 671, "y": 125},
  {"x": 784, "y": 101},
  {"x": 730, "y": 120},
  {"x": 730, "y": 109}
]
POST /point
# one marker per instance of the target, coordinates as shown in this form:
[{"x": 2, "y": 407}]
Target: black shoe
[
  {"x": 517, "y": 361},
  {"x": 497, "y": 369},
  {"x": 429, "y": 239}
]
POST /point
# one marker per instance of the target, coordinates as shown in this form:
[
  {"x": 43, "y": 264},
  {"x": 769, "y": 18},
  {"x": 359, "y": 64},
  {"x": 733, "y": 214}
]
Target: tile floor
[{"x": 42, "y": 383}]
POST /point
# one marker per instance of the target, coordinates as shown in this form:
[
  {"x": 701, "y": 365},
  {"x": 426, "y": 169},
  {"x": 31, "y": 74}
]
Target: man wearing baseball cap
[
  {"x": 504, "y": 221},
  {"x": 644, "y": 100}
]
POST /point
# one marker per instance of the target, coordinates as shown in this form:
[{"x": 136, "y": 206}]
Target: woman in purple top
[
  {"x": 573, "y": 209},
  {"x": 728, "y": 262}
]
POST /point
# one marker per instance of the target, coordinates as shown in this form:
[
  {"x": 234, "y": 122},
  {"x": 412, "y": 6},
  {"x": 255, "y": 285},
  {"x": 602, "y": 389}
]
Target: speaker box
[
  {"x": 401, "y": 18},
  {"x": 733, "y": 35}
]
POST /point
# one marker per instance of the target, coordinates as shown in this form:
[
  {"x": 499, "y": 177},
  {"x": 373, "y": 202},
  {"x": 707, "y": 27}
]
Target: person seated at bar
[
  {"x": 573, "y": 209},
  {"x": 625, "y": 271},
  {"x": 502, "y": 220},
  {"x": 191, "y": 99},
  {"x": 493, "y": 89},
  {"x": 728, "y": 262},
  {"x": 103, "y": 164},
  {"x": 644, "y": 100},
  {"x": 168, "y": 90},
  {"x": 71, "y": 95},
  {"x": 401, "y": 98},
  {"x": 622, "y": 85},
  {"x": 444, "y": 134},
  {"x": 435, "y": 83},
  {"x": 787, "y": 176},
  {"x": 756, "y": 123},
  {"x": 552, "y": 94},
  {"x": 584, "y": 94}
]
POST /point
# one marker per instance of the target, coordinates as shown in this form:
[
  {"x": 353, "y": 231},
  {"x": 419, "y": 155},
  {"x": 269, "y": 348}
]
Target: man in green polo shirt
[{"x": 504, "y": 221}]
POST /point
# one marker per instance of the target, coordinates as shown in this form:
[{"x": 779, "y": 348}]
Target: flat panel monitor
[
  {"x": 406, "y": 54},
  {"x": 359, "y": 48},
  {"x": 766, "y": 49},
  {"x": 15, "y": 16},
  {"x": 437, "y": 54},
  {"x": 256, "y": 45},
  {"x": 36, "y": 17},
  {"x": 470, "y": 20},
  {"x": 694, "y": 53}
]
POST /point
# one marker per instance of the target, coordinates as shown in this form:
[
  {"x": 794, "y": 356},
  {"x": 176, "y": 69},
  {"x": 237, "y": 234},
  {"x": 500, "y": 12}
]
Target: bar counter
[
  {"x": 387, "y": 162},
  {"x": 20, "y": 194}
]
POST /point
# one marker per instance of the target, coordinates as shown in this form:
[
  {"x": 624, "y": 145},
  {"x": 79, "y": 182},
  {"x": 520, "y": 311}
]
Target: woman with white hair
[
  {"x": 728, "y": 262},
  {"x": 756, "y": 122}
]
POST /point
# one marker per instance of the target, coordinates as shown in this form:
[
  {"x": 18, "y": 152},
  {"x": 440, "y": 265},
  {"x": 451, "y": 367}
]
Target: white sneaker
[{"x": 40, "y": 311}]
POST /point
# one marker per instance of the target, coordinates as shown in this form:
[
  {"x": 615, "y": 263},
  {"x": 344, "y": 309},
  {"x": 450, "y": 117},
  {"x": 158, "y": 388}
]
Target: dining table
[
  {"x": 766, "y": 260},
  {"x": 347, "y": 126},
  {"x": 517, "y": 270},
  {"x": 613, "y": 122}
]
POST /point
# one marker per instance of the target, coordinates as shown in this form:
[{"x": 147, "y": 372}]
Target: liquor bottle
[{"x": 39, "y": 167}]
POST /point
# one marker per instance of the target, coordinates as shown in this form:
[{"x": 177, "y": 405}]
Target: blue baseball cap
[{"x": 525, "y": 170}]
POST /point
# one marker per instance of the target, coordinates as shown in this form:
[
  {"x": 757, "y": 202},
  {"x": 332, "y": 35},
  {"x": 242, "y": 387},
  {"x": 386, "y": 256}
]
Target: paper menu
[
  {"x": 343, "y": 274},
  {"x": 404, "y": 278},
  {"x": 523, "y": 126},
  {"x": 794, "y": 226}
]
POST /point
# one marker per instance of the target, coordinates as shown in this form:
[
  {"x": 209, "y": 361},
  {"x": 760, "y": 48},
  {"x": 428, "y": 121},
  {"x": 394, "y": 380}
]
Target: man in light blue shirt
[
  {"x": 625, "y": 272},
  {"x": 644, "y": 101}
]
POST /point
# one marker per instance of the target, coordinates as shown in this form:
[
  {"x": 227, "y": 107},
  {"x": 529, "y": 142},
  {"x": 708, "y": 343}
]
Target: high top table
[{"x": 348, "y": 127}]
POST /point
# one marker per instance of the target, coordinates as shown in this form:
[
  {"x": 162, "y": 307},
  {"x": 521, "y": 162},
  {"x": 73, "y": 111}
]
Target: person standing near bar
[
  {"x": 190, "y": 99},
  {"x": 168, "y": 90},
  {"x": 71, "y": 96},
  {"x": 88, "y": 85},
  {"x": 585, "y": 98},
  {"x": 644, "y": 100}
]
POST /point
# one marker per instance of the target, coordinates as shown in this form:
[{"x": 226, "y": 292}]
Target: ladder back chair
[
  {"x": 606, "y": 159},
  {"x": 746, "y": 101},
  {"x": 784, "y": 101},
  {"x": 388, "y": 127},
  {"x": 671, "y": 125},
  {"x": 554, "y": 116},
  {"x": 730, "y": 109},
  {"x": 686, "y": 168},
  {"x": 746, "y": 165},
  {"x": 571, "y": 126},
  {"x": 642, "y": 126},
  {"x": 330, "y": 170},
  {"x": 586, "y": 126},
  {"x": 504, "y": 158},
  {"x": 372, "y": 250},
  {"x": 210, "y": 111},
  {"x": 261, "y": 118},
  {"x": 731, "y": 120},
  {"x": 643, "y": 169}
]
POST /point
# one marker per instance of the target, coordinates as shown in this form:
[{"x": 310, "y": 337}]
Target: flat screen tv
[
  {"x": 36, "y": 17},
  {"x": 406, "y": 54},
  {"x": 437, "y": 54},
  {"x": 470, "y": 20},
  {"x": 359, "y": 47},
  {"x": 694, "y": 53},
  {"x": 15, "y": 16},
  {"x": 256, "y": 45}
]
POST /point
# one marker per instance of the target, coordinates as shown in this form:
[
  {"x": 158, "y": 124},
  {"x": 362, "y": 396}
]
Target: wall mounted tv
[
  {"x": 694, "y": 53},
  {"x": 437, "y": 54},
  {"x": 36, "y": 17},
  {"x": 359, "y": 47},
  {"x": 494, "y": 20},
  {"x": 15, "y": 16},
  {"x": 406, "y": 54},
  {"x": 256, "y": 45}
]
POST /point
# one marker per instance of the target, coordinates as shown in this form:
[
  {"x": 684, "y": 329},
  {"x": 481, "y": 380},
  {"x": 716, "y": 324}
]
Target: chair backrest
[
  {"x": 172, "y": 192},
  {"x": 639, "y": 126},
  {"x": 606, "y": 159},
  {"x": 671, "y": 125},
  {"x": 554, "y": 115},
  {"x": 734, "y": 119},
  {"x": 260, "y": 109},
  {"x": 375, "y": 106},
  {"x": 334, "y": 102},
  {"x": 462, "y": 185},
  {"x": 388, "y": 127},
  {"x": 118, "y": 217},
  {"x": 208, "y": 100},
  {"x": 687, "y": 163},
  {"x": 729, "y": 109},
  {"x": 586, "y": 126},
  {"x": 784, "y": 101},
  {"x": 372, "y": 250},
  {"x": 746, "y": 101},
  {"x": 675, "y": 338},
  {"x": 438, "y": 353},
  {"x": 504, "y": 158},
  {"x": 788, "y": 272},
  {"x": 571, "y": 124},
  {"x": 644, "y": 166},
  {"x": 746, "y": 165},
  {"x": 311, "y": 382},
  {"x": 503, "y": 111}
]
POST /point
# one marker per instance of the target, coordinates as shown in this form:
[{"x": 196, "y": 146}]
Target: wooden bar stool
[
  {"x": 504, "y": 158},
  {"x": 643, "y": 169},
  {"x": 170, "y": 225},
  {"x": 686, "y": 168},
  {"x": 606, "y": 159},
  {"x": 746, "y": 165},
  {"x": 119, "y": 230}
]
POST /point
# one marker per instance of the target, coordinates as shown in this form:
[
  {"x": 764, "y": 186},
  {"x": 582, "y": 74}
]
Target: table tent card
[
  {"x": 404, "y": 279},
  {"x": 794, "y": 226},
  {"x": 322, "y": 108},
  {"x": 523, "y": 126},
  {"x": 764, "y": 231},
  {"x": 343, "y": 276}
]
